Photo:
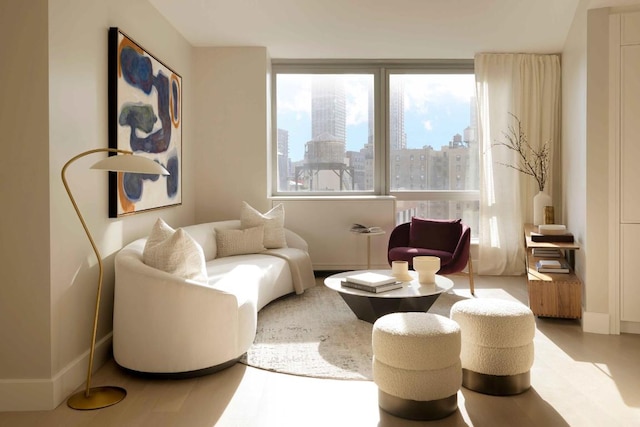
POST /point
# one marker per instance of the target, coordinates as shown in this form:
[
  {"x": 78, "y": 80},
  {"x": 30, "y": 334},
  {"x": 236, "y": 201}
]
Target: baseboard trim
[
  {"x": 630, "y": 327},
  {"x": 597, "y": 323},
  {"x": 44, "y": 394}
]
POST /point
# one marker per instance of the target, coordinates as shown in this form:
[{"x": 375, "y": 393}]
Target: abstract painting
[{"x": 145, "y": 116}]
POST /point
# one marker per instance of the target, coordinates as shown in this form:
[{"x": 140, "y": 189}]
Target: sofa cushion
[
  {"x": 441, "y": 235},
  {"x": 273, "y": 222},
  {"x": 238, "y": 242},
  {"x": 160, "y": 232},
  {"x": 175, "y": 252}
]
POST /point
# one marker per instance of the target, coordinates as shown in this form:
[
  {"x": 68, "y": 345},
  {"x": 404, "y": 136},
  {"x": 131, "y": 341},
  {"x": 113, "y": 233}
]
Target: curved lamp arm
[{"x": 104, "y": 396}]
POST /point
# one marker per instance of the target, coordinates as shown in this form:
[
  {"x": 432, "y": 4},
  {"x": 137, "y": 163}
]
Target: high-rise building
[
  {"x": 284, "y": 171},
  {"x": 370, "y": 116},
  {"x": 397, "y": 134},
  {"x": 328, "y": 108}
]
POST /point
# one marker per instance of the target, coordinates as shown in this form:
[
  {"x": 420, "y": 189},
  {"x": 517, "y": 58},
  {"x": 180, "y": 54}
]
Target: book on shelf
[
  {"x": 548, "y": 263},
  {"x": 359, "y": 228},
  {"x": 552, "y": 238},
  {"x": 552, "y": 229},
  {"x": 372, "y": 288},
  {"x": 552, "y": 266},
  {"x": 547, "y": 252}
]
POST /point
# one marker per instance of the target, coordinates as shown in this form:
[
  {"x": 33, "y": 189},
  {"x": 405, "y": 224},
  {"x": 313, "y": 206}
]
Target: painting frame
[{"x": 145, "y": 117}]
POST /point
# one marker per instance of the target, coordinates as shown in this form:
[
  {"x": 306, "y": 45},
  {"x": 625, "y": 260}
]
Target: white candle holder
[
  {"x": 427, "y": 267},
  {"x": 400, "y": 270}
]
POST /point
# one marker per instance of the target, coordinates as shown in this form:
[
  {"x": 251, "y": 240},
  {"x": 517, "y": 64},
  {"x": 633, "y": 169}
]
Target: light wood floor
[{"x": 577, "y": 379}]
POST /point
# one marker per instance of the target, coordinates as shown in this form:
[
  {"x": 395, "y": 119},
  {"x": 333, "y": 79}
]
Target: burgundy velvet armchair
[{"x": 448, "y": 240}]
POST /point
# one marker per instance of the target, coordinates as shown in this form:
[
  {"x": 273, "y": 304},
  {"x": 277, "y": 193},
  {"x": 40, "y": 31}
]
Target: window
[
  {"x": 340, "y": 126},
  {"x": 324, "y": 132}
]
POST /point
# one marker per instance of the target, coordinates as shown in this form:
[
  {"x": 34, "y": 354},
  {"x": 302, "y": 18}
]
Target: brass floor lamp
[{"x": 101, "y": 397}]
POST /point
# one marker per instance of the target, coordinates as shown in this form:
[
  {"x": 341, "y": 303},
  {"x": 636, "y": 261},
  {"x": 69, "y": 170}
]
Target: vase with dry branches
[{"x": 531, "y": 161}]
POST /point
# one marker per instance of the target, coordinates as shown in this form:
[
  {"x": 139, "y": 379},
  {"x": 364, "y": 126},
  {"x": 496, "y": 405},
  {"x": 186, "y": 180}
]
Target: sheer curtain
[{"x": 528, "y": 86}]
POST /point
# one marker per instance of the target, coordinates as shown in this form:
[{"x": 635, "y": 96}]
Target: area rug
[{"x": 316, "y": 334}]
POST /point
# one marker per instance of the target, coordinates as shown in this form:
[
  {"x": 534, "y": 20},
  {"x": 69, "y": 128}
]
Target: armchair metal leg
[{"x": 471, "y": 287}]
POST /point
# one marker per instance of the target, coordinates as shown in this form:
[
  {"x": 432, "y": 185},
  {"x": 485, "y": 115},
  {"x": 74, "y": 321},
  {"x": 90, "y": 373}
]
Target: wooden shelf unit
[{"x": 552, "y": 295}]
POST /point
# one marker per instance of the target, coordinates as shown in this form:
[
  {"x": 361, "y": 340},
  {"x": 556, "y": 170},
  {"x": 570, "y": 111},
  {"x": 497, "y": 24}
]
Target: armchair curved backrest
[{"x": 448, "y": 240}]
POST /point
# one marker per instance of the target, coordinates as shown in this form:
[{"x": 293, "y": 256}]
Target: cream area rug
[{"x": 316, "y": 334}]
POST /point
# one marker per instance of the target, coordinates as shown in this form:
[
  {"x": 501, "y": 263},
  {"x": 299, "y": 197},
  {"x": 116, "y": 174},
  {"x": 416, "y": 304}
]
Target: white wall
[
  {"x": 585, "y": 160},
  {"x": 231, "y": 113},
  {"x": 50, "y": 319},
  {"x": 597, "y": 167},
  {"x": 324, "y": 222},
  {"x": 574, "y": 136},
  {"x": 584, "y": 157}
]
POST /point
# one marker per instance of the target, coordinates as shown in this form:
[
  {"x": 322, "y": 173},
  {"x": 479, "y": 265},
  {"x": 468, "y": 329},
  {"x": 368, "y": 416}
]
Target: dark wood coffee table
[{"x": 370, "y": 306}]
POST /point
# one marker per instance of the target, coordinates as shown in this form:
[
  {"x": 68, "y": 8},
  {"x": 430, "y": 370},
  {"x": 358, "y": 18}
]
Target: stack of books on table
[
  {"x": 371, "y": 282},
  {"x": 547, "y": 252},
  {"x": 552, "y": 266}
]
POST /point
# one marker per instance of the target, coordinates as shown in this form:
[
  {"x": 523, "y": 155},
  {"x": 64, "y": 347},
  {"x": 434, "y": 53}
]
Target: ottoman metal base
[
  {"x": 417, "y": 410},
  {"x": 497, "y": 385}
]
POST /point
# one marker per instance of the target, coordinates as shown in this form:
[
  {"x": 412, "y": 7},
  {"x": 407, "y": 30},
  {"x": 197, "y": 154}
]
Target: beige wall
[
  {"x": 231, "y": 114},
  {"x": 59, "y": 76},
  {"x": 585, "y": 163},
  {"x": 597, "y": 166},
  {"x": 24, "y": 186},
  {"x": 584, "y": 156},
  {"x": 574, "y": 127}
]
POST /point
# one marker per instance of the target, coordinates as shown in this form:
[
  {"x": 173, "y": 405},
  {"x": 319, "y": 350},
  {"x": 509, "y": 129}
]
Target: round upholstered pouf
[
  {"x": 497, "y": 345},
  {"x": 416, "y": 365}
]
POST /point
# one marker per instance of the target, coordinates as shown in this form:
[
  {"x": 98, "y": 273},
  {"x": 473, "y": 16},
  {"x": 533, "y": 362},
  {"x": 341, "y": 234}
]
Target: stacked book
[
  {"x": 371, "y": 282},
  {"x": 547, "y": 252},
  {"x": 552, "y": 238},
  {"x": 552, "y": 266}
]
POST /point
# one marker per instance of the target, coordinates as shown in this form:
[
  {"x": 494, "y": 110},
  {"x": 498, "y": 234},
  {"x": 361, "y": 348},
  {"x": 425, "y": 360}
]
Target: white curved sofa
[{"x": 164, "y": 324}]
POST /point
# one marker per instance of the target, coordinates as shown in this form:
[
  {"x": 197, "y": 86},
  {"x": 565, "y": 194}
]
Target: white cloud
[
  {"x": 357, "y": 98},
  {"x": 427, "y": 125},
  {"x": 294, "y": 94},
  {"x": 424, "y": 92}
]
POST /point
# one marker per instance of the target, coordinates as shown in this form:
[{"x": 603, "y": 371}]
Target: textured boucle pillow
[
  {"x": 174, "y": 252},
  {"x": 160, "y": 232},
  {"x": 238, "y": 242},
  {"x": 273, "y": 222}
]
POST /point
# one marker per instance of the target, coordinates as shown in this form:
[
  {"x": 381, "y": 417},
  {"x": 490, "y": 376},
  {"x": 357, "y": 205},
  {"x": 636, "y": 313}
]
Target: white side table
[{"x": 368, "y": 236}]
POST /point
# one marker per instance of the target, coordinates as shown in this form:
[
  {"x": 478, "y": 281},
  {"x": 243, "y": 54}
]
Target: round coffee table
[{"x": 369, "y": 306}]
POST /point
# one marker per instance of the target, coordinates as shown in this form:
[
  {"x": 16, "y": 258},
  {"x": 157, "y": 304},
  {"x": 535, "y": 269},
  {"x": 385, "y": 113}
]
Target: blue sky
[{"x": 436, "y": 108}]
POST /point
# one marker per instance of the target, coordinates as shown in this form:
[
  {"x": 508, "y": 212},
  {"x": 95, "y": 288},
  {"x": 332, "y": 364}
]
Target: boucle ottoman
[
  {"x": 416, "y": 365},
  {"x": 497, "y": 345}
]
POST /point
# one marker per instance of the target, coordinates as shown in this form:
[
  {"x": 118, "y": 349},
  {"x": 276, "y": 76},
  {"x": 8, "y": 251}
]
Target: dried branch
[{"x": 530, "y": 161}]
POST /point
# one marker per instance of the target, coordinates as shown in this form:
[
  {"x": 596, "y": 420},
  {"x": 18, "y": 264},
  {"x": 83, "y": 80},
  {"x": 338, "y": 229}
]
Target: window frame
[{"x": 381, "y": 71}]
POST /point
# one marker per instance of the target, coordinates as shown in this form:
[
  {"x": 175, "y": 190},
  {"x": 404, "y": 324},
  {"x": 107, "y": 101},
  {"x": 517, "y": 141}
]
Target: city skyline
[{"x": 435, "y": 109}]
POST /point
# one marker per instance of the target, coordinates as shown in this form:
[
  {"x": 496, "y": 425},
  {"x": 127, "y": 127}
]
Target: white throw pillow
[
  {"x": 239, "y": 242},
  {"x": 175, "y": 252},
  {"x": 273, "y": 222},
  {"x": 160, "y": 232}
]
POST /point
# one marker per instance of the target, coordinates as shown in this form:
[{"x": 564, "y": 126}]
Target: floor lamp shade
[
  {"x": 129, "y": 163},
  {"x": 122, "y": 161}
]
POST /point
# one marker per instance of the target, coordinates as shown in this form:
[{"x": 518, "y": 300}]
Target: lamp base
[{"x": 99, "y": 397}]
